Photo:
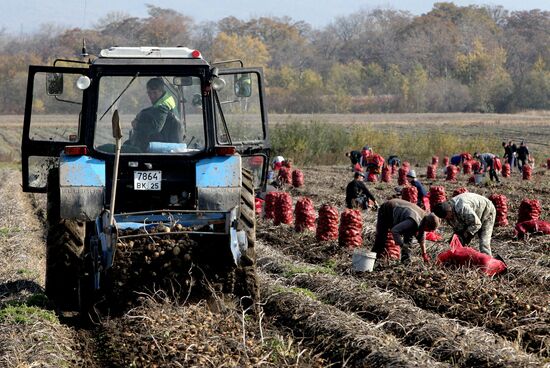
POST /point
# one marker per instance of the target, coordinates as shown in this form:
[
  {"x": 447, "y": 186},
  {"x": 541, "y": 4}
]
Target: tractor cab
[{"x": 171, "y": 103}]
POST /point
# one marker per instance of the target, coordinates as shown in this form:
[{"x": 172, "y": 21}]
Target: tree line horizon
[{"x": 451, "y": 59}]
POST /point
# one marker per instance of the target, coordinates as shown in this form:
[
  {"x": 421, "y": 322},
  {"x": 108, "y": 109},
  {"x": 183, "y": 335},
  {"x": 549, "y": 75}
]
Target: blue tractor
[{"x": 137, "y": 138}]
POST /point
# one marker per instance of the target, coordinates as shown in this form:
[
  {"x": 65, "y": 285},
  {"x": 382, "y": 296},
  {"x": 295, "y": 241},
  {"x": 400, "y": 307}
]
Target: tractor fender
[
  {"x": 219, "y": 183},
  {"x": 81, "y": 187}
]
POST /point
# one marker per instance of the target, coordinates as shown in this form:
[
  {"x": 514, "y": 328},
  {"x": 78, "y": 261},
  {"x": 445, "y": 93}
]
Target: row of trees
[{"x": 453, "y": 58}]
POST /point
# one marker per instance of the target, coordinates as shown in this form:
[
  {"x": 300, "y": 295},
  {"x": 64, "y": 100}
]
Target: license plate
[{"x": 147, "y": 180}]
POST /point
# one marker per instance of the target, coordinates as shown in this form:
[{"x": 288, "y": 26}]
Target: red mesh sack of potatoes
[
  {"x": 433, "y": 236},
  {"x": 258, "y": 206},
  {"x": 270, "y": 203},
  {"x": 372, "y": 177},
  {"x": 379, "y": 161},
  {"x": 458, "y": 191},
  {"x": 351, "y": 228},
  {"x": 386, "y": 174},
  {"x": 426, "y": 203},
  {"x": 431, "y": 171},
  {"x": 435, "y": 160},
  {"x": 532, "y": 226},
  {"x": 393, "y": 251},
  {"x": 327, "y": 223},
  {"x": 297, "y": 178},
  {"x": 466, "y": 168},
  {"x": 409, "y": 194},
  {"x": 402, "y": 175},
  {"x": 529, "y": 209},
  {"x": 445, "y": 161},
  {"x": 476, "y": 166},
  {"x": 283, "y": 209},
  {"x": 406, "y": 164},
  {"x": 505, "y": 170},
  {"x": 452, "y": 172},
  {"x": 526, "y": 172},
  {"x": 284, "y": 175},
  {"x": 459, "y": 255},
  {"x": 304, "y": 213},
  {"x": 437, "y": 195},
  {"x": 501, "y": 205}
]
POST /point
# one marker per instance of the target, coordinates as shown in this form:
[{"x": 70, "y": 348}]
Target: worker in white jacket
[{"x": 469, "y": 214}]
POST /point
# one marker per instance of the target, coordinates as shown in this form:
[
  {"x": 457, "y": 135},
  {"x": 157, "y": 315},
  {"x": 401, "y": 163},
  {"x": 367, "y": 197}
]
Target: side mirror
[
  {"x": 54, "y": 84},
  {"x": 243, "y": 85}
]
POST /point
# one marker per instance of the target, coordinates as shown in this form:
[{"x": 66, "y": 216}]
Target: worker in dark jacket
[
  {"x": 406, "y": 221},
  {"x": 357, "y": 193},
  {"x": 157, "y": 123},
  {"x": 523, "y": 155},
  {"x": 509, "y": 154},
  {"x": 422, "y": 192}
]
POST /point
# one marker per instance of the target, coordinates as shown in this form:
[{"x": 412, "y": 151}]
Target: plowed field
[{"x": 316, "y": 311}]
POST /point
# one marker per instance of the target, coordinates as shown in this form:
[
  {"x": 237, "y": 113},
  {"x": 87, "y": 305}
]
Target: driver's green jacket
[
  {"x": 166, "y": 100},
  {"x": 152, "y": 123}
]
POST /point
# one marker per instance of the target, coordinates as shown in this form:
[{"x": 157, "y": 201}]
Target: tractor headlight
[{"x": 83, "y": 82}]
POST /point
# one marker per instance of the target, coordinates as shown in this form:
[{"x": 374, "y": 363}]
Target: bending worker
[
  {"x": 357, "y": 193},
  {"x": 406, "y": 221},
  {"x": 469, "y": 214},
  {"x": 488, "y": 162}
]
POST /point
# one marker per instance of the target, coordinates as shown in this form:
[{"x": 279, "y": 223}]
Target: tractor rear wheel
[
  {"x": 246, "y": 285},
  {"x": 64, "y": 249}
]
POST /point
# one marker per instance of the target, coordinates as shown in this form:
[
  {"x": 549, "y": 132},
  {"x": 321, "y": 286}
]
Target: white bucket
[
  {"x": 478, "y": 178},
  {"x": 363, "y": 260}
]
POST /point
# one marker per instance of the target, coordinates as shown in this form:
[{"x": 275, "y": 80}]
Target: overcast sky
[{"x": 26, "y": 16}]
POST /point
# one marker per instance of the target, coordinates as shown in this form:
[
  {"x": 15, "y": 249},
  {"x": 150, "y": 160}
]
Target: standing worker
[
  {"x": 422, "y": 192},
  {"x": 469, "y": 214},
  {"x": 357, "y": 193},
  {"x": 523, "y": 155},
  {"x": 488, "y": 161},
  {"x": 405, "y": 220},
  {"x": 508, "y": 153},
  {"x": 514, "y": 149}
]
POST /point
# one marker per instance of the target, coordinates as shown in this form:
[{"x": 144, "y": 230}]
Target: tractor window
[
  {"x": 240, "y": 106},
  {"x": 55, "y": 118},
  {"x": 157, "y": 114}
]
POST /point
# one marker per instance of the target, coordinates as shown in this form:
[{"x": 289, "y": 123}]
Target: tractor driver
[{"x": 156, "y": 123}]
